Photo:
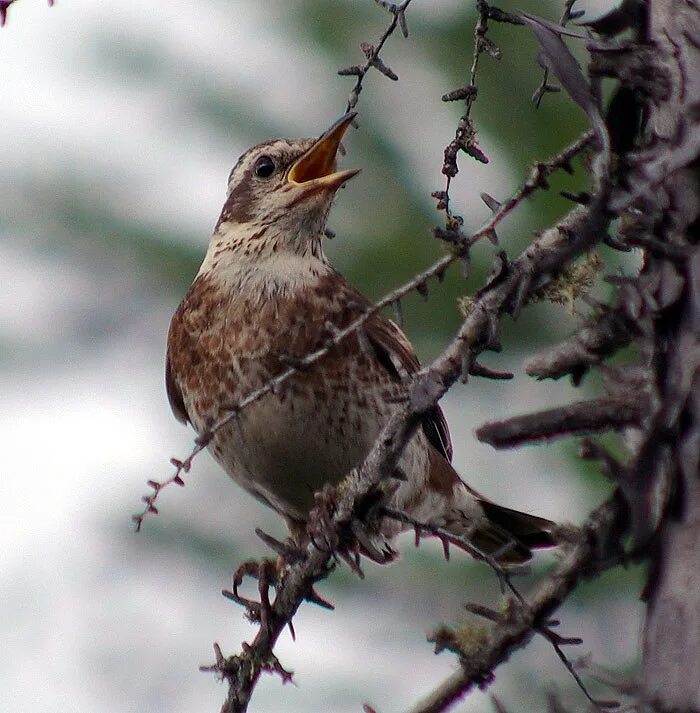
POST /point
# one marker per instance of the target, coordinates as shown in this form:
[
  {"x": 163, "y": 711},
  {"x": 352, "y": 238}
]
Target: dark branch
[
  {"x": 521, "y": 622},
  {"x": 594, "y": 340},
  {"x": 583, "y": 417}
]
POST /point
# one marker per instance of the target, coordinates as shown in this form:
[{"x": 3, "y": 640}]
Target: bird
[{"x": 265, "y": 297}]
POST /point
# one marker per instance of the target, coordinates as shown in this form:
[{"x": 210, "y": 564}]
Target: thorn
[
  {"x": 377, "y": 62},
  {"x": 462, "y": 93},
  {"x": 402, "y": 22},
  {"x": 287, "y": 552},
  {"x": 293, "y": 633},
  {"x": 482, "y": 611},
  {"x": 353, "y": 563},
  {"x": 492, "y": 204},
  {"x": 315, "y": 598},
  {"x": 422, "y": 289},
  {"x": 477, "y": 369},
  {"x": 582, "y": 197},
  {"x": 446, "y": 549},
  {"x": 355, "y": 70}
]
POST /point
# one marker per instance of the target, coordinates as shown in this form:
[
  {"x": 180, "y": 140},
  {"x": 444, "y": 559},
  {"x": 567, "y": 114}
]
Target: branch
[
  {"x": 371, "y": 52},
  {"x": 520, "y": 623},
  {"x": 595, "y": 339},
  {"x": 604, "y": 414}
]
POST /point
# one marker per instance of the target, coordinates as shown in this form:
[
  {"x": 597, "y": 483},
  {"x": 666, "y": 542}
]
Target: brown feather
[
  {"x": 177, "y": 403},
  {"x": 398, "y": 357}
]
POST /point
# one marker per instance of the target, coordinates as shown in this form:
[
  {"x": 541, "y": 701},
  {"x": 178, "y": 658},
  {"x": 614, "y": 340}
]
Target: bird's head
[{"x": 279, "y": 194}]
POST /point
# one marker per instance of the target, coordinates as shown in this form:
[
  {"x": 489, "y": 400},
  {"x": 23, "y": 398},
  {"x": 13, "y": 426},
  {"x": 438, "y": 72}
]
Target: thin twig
[
  {"x": 517, "y": 628},
  {"x": 501, "y": 572},
  {"x": 582, "y": 417},
  {"x": 372, "y": 52}
]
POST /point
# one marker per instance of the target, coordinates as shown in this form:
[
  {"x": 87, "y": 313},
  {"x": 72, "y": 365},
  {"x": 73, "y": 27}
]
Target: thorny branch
[
  {"x": 465, "y": 134},
  {"x": 513, "y": 629},
  {"x": 371, "y": 52}
]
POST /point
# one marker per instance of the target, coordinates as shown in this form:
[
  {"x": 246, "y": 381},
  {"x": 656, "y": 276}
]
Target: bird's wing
[
  {"x": 177, "y": 403},
  {"x": 396, "y": 354}
]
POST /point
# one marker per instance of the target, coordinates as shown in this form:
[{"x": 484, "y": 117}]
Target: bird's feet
[
  {"x": 267, "y": 573},
  {"x": 349, "y": 540}
]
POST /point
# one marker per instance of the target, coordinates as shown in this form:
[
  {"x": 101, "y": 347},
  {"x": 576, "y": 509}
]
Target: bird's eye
[{"x": 264, "y": 167}]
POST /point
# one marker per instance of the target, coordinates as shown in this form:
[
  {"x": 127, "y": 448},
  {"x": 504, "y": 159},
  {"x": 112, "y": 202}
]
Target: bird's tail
[{"x": 509, "y": 536}]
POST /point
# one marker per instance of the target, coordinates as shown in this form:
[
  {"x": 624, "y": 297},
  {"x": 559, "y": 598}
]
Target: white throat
[{"x": 265, "y": 266}]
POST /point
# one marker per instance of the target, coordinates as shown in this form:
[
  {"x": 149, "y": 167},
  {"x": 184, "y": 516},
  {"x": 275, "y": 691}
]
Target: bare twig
[
  {"x": 371, "y": 52},
  {"x": 465, "y": 134},
  {"x": 604, "y": 414},
  {"x": 520, "y": 623}
]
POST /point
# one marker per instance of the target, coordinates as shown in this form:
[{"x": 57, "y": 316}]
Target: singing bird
[{"x": 265, "y": 297}]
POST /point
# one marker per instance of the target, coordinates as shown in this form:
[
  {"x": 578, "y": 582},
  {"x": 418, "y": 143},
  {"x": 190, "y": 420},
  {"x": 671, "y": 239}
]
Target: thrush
[{"x": 265, "y": 297}]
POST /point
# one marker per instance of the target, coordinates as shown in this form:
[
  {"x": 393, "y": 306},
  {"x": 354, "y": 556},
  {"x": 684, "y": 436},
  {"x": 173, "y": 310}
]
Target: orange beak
[{"x": 315, "y": 170}]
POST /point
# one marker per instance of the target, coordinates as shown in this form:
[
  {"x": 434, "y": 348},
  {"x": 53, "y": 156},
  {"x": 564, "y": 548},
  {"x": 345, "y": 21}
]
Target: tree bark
[{"x": 671, "y": 651}]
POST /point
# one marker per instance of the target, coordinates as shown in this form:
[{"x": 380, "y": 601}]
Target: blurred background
[{"x": 120, "y": 122}]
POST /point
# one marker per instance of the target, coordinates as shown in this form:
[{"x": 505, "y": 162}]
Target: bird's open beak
[{"x": 315, "y": 169}]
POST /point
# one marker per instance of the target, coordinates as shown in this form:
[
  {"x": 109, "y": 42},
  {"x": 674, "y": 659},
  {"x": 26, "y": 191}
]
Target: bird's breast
[{"x": 312, "y": 429}]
